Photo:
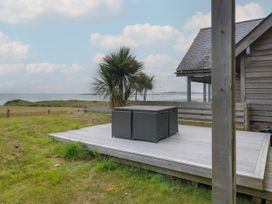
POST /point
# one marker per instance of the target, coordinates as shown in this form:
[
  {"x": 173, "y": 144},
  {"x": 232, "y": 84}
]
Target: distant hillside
[{"x": 56, "y": 103}]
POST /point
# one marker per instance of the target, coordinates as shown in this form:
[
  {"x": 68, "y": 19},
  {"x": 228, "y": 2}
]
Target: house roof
[{"x": 199, "y": 59}]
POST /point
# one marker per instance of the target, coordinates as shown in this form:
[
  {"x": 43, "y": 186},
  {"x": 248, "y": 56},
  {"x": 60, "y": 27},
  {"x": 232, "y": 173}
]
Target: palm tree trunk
[
  {"x": 111, "y": 101},
  {"x": 145, "y": 92},
  {"x": 123, "y": 92},
  {"x": 136, "y": 96}
]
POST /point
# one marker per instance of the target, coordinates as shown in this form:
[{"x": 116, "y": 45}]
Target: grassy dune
[
  {"x": 31, "y": 111},
  {"x": 34, "y": 168},
  {"x": 56, "y": 103}
]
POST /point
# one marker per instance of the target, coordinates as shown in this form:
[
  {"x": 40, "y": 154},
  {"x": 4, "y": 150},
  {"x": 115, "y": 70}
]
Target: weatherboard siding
[
  {"x": 258, "y": 79},
  {"x": 238, "y": 90}
]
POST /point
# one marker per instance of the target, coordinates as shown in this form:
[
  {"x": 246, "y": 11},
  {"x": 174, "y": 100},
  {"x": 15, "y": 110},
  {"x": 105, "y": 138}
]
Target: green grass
[
  {"x": 72, "y": 150},
  {"x": 56, "y": 103},
  {"x": 30, "y": 111},
  {"x": 33, "y": 168},
  {"x": 106, "y": 164}
]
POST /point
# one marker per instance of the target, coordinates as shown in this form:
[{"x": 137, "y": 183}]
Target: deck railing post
[
  {"x": 223, "y": 104},
  {"x": 209, "y": 92},
  {"x": 204, "y": 92},
  {"x": 189, "y": 89}
]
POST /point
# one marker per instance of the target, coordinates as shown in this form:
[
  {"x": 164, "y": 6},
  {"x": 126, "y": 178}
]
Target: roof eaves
[
  {"x": 192, "y": 72},
  {"x": 251, "y": 20},
  {"x": 253, "y": 35}
]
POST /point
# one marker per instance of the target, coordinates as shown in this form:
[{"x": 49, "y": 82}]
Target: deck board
[{"x": 188, "y": 152}]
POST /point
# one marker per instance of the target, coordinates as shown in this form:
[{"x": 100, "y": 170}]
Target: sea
[{"x": 162, "y": 96}]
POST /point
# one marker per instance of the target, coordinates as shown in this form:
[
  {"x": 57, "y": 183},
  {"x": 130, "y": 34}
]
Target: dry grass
[
  {"x": 30, "y": 111},
  {"x": 32, "y": 171}
]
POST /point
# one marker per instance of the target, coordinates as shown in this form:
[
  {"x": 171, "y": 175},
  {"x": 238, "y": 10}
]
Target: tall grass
[{"x": 71, "y": 150}]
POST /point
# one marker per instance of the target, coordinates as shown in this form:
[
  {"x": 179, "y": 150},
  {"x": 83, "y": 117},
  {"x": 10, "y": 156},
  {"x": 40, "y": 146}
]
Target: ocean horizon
[{"x": 160, "y": 96}]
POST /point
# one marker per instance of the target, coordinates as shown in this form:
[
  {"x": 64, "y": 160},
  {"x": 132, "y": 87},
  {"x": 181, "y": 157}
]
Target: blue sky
[{"x": 51, "y": 46}]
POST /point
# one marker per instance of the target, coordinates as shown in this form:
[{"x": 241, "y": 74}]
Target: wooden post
[
  {"x": 223, "y": 104},
  {"x": 204, "y": 92},
  {"x": 8, "y": 113},
  {"x": 243, "y": 80},
  {"x": 246, "y": 117},
  {"x": 189, "y": 89},
  {"x": 209, "y": 92},
  {"x": 48, "y": 112}
]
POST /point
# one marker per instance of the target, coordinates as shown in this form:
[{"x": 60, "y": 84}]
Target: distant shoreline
[
  {"x": 157, "y": 93},
  {"x": 165, "y": 96}
]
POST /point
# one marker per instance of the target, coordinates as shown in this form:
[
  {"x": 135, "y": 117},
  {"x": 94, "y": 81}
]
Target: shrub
[
  {"x": 96, "y": 154},
  {"x": 106, "y": 164},
  {"x": 72, "y": 150}
]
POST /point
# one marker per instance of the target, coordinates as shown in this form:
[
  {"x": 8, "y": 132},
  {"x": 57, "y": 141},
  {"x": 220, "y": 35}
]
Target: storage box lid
[{"x": 145, "y": 108}]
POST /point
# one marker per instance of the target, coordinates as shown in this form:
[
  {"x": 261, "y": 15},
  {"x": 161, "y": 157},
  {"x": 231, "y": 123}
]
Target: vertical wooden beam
[
  {"x": 223, "y": 102},
  {"x": 209, "y": 92},
  {"x": 246, "y": 117},
  {"x": 189, "y": 89},
  {"x": 204, "y": 92},
  {"x": 243, "y": 78}
]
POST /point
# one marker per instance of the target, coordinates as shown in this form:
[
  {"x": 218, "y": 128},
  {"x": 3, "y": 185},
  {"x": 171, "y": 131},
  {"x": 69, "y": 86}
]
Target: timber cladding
[
  {"x": 258, "y": 79},
  {"x": 253, "y": 67},
  {"x": 238, "y": 90}
]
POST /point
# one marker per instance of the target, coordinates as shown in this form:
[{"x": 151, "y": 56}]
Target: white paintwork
[{"x": 188, "y": 152}]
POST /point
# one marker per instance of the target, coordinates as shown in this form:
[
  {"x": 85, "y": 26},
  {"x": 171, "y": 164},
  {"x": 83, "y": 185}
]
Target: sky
[{"x": 55, "y": 46}]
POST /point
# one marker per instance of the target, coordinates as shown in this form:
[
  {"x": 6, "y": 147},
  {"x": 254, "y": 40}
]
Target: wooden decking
[{"x": 185, "y": 155}]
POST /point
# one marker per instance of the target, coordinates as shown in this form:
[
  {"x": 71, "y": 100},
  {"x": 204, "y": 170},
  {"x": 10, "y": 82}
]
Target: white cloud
[
  {"x": 201, "y": 20},
  {"x": 10, "y": 68},
  {"x": 37, "y": 68},
  {"x": 160, "y": 64},
  {"x": 145, "y": 34},
  {"x": 70, "y": 69},
  {"x": 196, "y": 22},
  {"x": 98, "y": 58},
  {"x": 246, "y": 12},
  {"x": 12, "y": 50},
  {"x": 17, "y": 11},
  {"x": 136, "y": 35},
  {"x": 5, "y": 85},
  {"x": 249, "y": 11},
  {"x": 162, "y": 67}
]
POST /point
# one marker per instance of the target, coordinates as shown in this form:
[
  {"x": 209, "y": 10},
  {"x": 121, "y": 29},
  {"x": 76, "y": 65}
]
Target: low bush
[
  {"x": 72, "y": 150},
  {"x": 106, "y": 164}
]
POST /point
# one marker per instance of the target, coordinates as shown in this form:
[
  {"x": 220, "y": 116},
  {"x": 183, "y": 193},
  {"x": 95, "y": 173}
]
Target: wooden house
[{"x": 253, "y": 67}]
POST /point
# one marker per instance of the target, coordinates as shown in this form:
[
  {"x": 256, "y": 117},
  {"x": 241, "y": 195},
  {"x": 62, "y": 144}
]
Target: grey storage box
[
  {"x": 121, "y": 123},
  {"x": 147, "y": 123},
  {"x": 150, "y": 126}
]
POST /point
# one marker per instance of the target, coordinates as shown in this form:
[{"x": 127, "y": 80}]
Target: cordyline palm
[
  {"x": 148, "y": 85},
  {"x": 144, "y": 83},
  {"x": 116, "y": 75}
]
